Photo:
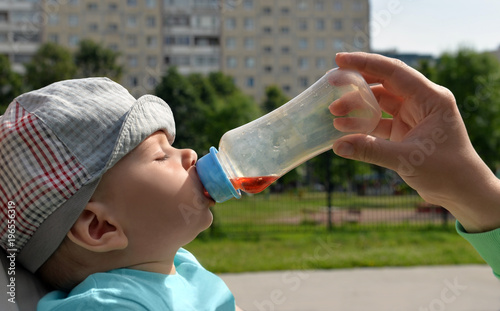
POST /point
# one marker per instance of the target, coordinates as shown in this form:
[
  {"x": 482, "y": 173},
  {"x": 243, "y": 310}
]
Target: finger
[
  {"x": 347, "y": 103},
  {"x": 370, "y": 149},
  {"x": 383, "y": 129},
  {"x": 387, "y": 101},
  {"x": 395, "y": 75},
  {"x": 353, "y": 125}
]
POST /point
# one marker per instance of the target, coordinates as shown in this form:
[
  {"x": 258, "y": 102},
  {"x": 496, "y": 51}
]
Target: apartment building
[
  {"x": 131, "y": 27},
  {"x": 20, "y": 30},
  {"x": 191, "y": 35},
  {"x": 289, "y": 43}
]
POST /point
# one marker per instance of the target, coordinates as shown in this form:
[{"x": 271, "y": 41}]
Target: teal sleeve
[{"x": 487, "y": 244}]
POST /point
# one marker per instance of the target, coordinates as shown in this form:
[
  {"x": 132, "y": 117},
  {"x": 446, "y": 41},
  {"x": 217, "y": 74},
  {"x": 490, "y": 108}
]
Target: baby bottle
[{"x": 256, "y": 154}]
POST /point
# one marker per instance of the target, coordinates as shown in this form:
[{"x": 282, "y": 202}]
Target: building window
[
  {"x": 53, "y": 19},
  {"x": 132, "y": 21},
  {"x": 285, "y": 10},
  {"x": 337, "y": 24},
  {"x": 112, "y": 27},
  {"x": 249, "y": 43},
  {"x": 320, "y": 24},
  {"x": 113, "y": 6},
  {"x": 248, "y": 4},
  {"x": 176, "y": 20},
  {"x": 319, "y": 5},
  {"x": 285, "y": 50},
  {"x": 132, "y": 60},
  {"x": 303, "y": 63},
  {"x": 131, "y": 40},
  {"x": 268, "y": 49},
  {"x": 93, "y": 27},
  {"x": 302, "y": 4},
  {"x": 54, "y": 38},
  {"x": 231, "y": 43},
  {"x": 338, "y": 44},
  {"x": 285, "y": 30},
  {"x": 151, "y": 3},
  {"x": 285, "y": 69},
  {"x": 268, "y": 69},
  {"x": 133, "y": 81},
  {"x": 267, "y": 30},
  {"x": 357, "y": 5},
  {"x": 320, "y": 44},
  {"x": 151, "y": 41},
  {"x": 303, "y": 82},
  {"x": 250, "y": 82},
  {"x": 337, "y": 5},
  {"x": 267, "y": 10},
  {"x": 230, "y": 23},
  {"x": 302, "y": 24},
  {"x": 358, "y": 24},
  {"x": 249, "y": 62},
  {"x": 73, "y": 40},
  {"x": 249, "y": 23},
  {"x": 152, "y": 61},
  {"x": 132, "y": 2},
  {"x": 320, "y": 63},
  {"x": 151, "y": 21},
  {"x": 92, "y": 7},
  {"x": 303, "y": 43},
  {"x": 231, "y": 62}
]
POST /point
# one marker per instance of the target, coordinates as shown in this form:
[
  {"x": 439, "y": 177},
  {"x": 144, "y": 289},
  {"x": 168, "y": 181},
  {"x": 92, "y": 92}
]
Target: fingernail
[{"x": 344, "y": 149}]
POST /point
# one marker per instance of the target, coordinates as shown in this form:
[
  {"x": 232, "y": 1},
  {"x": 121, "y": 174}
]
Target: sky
[{"x": 435, "y": 26}]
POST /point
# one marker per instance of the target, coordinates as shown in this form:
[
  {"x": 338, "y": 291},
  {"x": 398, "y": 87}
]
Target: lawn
[{"x": 341, "y": 248}]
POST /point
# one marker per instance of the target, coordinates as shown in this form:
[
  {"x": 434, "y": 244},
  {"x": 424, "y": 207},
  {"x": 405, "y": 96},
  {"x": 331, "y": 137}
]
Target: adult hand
[{"x": 425, "y": 141}]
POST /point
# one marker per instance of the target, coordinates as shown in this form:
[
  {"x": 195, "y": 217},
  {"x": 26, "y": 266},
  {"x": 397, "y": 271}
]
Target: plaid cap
[{"x": 55, "y": 144}]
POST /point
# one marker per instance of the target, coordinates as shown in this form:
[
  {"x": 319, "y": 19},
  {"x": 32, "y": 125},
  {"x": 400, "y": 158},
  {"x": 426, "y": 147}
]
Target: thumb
[{"x": 370, "y": 149}]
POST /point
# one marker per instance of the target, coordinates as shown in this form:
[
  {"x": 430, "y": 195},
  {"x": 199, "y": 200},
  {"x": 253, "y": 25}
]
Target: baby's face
[{"x": 159, "y": 195}]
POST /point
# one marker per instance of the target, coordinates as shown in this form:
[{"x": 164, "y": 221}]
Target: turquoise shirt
[
  {"x": 191, "y": 288},
  {"x": 487, "y": 244}
]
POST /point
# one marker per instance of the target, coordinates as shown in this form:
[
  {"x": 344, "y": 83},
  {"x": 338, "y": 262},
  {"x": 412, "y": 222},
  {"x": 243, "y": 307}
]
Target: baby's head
[{"x": 90, "y": 182}]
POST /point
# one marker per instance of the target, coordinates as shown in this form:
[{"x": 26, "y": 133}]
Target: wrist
[{"x": 475, "y": 200}]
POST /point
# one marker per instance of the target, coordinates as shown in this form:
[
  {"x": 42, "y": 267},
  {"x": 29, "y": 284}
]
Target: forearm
[{"x": 475, "y": 199}]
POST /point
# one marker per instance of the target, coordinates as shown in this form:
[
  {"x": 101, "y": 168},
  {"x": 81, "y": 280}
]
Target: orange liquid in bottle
[{"x": 253, "y": 184}]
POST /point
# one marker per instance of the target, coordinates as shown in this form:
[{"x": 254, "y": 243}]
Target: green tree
[
  {"x": 274, "y": 98},
  {"x": 50, "y": 63},
  {"x": 178, "y": 92},
  {"x": 10, "y": 83},
  {"x": 474, "y": 79},
  {"x": 92, "y": 59}
]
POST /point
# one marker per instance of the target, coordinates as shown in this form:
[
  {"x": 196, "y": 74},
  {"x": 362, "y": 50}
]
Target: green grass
[{"x": 338, "y": 249}]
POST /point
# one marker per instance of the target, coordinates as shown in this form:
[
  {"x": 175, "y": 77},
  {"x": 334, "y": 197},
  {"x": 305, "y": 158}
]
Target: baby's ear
[{"x": 97, "y": 230}]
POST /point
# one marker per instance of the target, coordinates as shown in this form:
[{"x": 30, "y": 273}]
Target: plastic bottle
[{"x": 254, "y": 155}]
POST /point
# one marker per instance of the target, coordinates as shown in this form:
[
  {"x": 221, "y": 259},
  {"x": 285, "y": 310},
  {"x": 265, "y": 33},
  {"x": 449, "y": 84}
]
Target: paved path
[{"x": 441, "y": 288}]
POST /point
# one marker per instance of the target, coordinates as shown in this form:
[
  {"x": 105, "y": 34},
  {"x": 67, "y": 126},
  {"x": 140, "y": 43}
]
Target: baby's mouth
[{"x": 206, "y": 194}]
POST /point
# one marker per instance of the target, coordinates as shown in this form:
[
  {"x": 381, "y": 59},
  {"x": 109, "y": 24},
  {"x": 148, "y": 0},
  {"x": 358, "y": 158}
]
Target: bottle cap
[{"x": 214, "y": 179}]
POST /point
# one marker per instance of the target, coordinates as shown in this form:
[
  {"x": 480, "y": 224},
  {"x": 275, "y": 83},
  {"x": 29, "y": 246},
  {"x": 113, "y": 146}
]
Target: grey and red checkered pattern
[{"x": 55, "y": 144}]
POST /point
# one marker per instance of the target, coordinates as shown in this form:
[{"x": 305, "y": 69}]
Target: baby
[{"x": 104, "y": 203}]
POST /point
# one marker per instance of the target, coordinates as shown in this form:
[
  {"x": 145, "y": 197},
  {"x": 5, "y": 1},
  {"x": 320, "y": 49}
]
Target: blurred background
[{"x": 222, "y": 63}]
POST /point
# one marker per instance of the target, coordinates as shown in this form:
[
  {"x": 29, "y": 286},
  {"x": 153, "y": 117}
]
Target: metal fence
[{"x": 373, "y": 203}]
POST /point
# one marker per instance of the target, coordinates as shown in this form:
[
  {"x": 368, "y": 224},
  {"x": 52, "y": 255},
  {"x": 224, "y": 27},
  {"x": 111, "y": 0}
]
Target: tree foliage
[
  {"x": 10, "y": 83},
  {"x": 474, "y": 79},
  {"x": 51, "y": 63},
  {"x": 204, "y": 107},
  {"x": 92, "y": 60},
  {"x": 274, "y": 98}
]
